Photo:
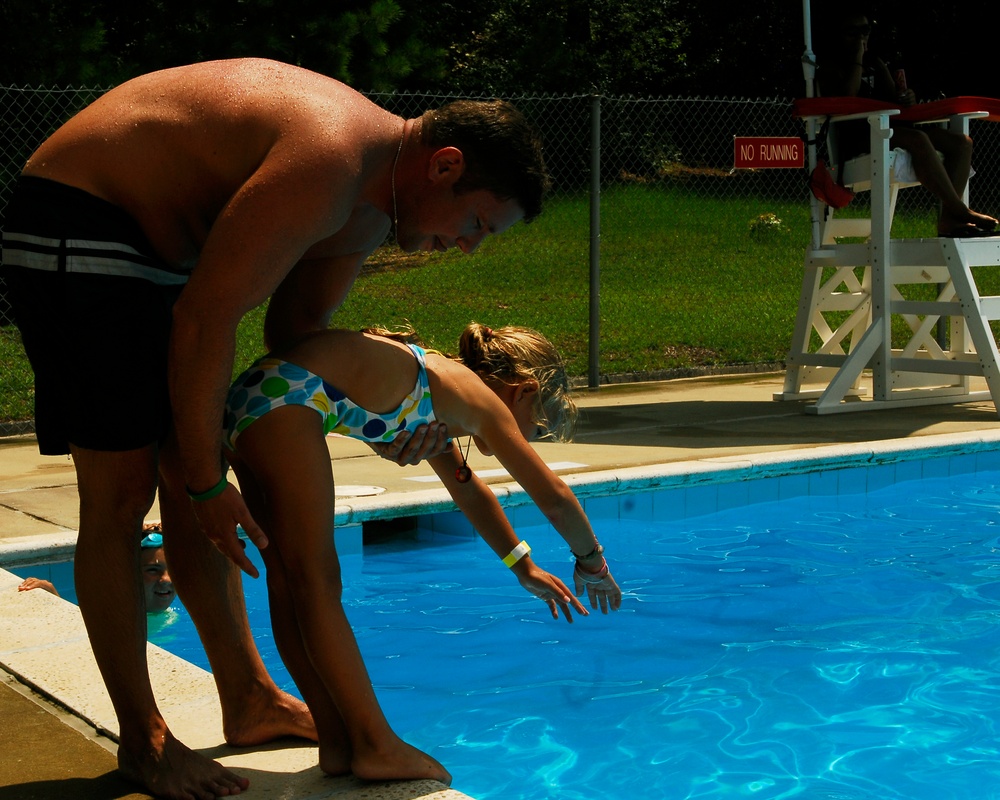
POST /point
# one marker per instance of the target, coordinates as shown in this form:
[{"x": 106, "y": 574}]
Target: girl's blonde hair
[{"x": 513, "y": 354}]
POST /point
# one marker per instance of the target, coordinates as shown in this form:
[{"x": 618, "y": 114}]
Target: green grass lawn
[
  {"x": 686, "y": 279},
  {"x": 682, "y": 282}
]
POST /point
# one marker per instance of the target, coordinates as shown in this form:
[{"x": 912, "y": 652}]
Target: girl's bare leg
[
  {"x": 287, "y": 454},
  {"x": 335, "y": 744}
]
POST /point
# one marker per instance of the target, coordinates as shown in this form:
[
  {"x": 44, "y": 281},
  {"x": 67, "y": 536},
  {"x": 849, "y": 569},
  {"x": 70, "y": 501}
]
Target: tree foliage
[
  {"x": 574, "y": 46},
  {"x": 362, "y": 42},
  {"x": 503, "y": 47}
]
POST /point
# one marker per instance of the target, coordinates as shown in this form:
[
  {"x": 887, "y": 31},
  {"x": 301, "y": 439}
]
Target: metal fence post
[
  {"x": 653, "y": 150},
  {"x": 594, "y": 359}
]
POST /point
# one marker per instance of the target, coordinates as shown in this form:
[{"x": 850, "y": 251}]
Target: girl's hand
[
  {"x": 37, "y": 583},
  {"x": 601, "y": 588},
  {"x": 552, "y": 591}
]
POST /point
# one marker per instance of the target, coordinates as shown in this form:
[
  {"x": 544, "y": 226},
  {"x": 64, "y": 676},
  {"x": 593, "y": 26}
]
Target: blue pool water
[{"x": 840, "y": 647}]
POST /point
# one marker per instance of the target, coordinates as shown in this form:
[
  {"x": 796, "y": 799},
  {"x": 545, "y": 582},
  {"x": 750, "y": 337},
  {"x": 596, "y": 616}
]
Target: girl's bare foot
[
  {"x": 335, "y": 760},
  {"x": 399, "y": 761}
]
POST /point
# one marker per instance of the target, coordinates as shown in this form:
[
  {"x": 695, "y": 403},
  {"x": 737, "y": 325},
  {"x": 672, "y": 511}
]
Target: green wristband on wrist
[{"x": 215, "y": 491}]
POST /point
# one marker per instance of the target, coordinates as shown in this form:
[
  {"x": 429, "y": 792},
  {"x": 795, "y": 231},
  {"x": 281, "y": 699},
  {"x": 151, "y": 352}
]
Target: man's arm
[
  {"x": 306, "y": 299},
  {"x": 304, "y": 303},
  {"x": 201, "y": 359},
  {"x": 264, "y": 230}
]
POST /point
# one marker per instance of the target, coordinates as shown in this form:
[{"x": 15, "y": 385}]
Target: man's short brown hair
[{"x": 502, "y": 151}]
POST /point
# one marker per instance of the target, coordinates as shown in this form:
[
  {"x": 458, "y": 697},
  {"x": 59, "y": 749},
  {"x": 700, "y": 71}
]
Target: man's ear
[{"x": 447, "y": 164}]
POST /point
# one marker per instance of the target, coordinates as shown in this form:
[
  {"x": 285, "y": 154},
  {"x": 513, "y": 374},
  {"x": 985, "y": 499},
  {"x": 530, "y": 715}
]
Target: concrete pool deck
[{"x": 52, "y": 701}]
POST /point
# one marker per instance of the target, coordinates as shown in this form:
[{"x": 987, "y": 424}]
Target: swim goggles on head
[{"x": 152, "y": 540}]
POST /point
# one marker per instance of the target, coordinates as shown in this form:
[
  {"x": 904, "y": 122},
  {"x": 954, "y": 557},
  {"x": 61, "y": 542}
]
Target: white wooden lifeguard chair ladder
[{"x": 853, "y": 290}]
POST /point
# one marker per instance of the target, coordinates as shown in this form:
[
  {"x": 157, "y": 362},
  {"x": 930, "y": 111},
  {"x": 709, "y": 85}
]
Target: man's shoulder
[{"x": 247, "y": 80}]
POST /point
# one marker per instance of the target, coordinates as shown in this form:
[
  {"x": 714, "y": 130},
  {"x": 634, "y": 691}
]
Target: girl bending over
[{"x": 507, "y": 387}]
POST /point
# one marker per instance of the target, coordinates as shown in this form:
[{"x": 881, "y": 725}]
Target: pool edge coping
[
  {"x": 649, "y": 477},
  {"x": 658, "y": 476}
]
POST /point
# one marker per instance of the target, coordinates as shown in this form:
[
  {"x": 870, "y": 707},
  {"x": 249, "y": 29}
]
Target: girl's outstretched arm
[
  {"x": 469, "y": 405},
  {"x": 483, "y": 510},
  {"x": 559, "y": 505}
]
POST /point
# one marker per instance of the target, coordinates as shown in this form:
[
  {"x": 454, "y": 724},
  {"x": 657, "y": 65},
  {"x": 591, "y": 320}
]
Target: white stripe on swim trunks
[{"x": 86, "y": 257}]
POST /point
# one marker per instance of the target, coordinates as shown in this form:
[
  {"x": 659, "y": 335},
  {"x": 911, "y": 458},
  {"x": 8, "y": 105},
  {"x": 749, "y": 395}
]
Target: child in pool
[
  {"x": 508, "y": 387},
  {"x": 158, "y": 589}
]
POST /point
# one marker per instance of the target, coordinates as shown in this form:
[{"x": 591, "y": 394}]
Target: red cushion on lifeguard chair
[
  {"x": 837, "y": 106},
  {"x": 950, "y": 106}
]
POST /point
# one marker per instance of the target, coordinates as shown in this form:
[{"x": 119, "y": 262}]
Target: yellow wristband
[{"x": 517, "y": 554}]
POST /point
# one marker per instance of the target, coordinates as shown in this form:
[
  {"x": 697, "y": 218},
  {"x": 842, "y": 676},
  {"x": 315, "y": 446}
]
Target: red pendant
[{"x": 463, "y": 474}]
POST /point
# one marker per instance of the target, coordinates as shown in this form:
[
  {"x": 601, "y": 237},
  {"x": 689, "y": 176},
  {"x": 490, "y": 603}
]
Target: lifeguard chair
[{"x": 852, "y": 291}]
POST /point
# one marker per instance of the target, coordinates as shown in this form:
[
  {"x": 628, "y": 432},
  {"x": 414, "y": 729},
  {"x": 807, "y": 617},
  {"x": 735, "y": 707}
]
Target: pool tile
[
  {"x": 601, "y": 507},
  {"x": 988, "y": 460},
  {"x": 453, "y": 523},
  {"x": 524, "y": 515},
  {"x": 853, "y": 480},
  {"x": 824, "y": 483},
  {"x": 733, "y": 495},
  {"x": 965, "y": 463},
  {"x": 908, "y": 471},
  {"x": 636, "y": 506},
  {"x": 668, "y": 504},
  {"x": 933, "y": 468},
  {"x": 349, "y": 539},
  {"x": 764, "y": 490},
  {"x": 880, "y": 477},
  {"x": 793, "y": 486},
  {"x": 699, "y": 500}
]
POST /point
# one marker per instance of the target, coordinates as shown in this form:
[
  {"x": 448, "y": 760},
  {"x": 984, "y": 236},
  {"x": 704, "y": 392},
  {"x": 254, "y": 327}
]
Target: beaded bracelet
[
  {"x": 598, "y": 550},
  {"x": 215, "y": 491},
  {"x": 594, "y": 577}
]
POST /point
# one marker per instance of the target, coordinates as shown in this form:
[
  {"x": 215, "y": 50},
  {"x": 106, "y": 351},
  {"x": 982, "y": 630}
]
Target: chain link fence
[{"x": 682, "y": 146}]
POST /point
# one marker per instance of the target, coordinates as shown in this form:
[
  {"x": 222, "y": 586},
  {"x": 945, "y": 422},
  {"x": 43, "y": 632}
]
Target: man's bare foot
[
  {"x": 172, "y": 770},
  {"x": 272, "y": 717},
  {"x": 400, "y": 762}
]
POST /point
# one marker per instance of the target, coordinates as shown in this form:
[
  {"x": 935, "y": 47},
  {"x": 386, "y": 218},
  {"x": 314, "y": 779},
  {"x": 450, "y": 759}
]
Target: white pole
[
  {"x": 808, "y": 57},
  {"x": 816, "y": 209}
]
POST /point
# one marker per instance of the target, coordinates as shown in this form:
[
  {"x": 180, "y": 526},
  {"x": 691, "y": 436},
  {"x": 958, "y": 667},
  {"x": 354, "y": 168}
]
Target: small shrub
[{"x": 765, "y": 225}]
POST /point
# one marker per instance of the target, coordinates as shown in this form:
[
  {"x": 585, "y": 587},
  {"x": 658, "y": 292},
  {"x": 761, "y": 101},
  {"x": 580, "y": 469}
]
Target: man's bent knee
[{"x": 118, "y": 484}]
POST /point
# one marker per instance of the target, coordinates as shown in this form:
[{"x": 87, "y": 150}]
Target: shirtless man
[{"x": 137, "y": 238}]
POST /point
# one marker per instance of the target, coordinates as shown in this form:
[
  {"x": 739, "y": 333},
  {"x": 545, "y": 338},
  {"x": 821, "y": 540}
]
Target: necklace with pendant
[{"x": 463, "y": 474}]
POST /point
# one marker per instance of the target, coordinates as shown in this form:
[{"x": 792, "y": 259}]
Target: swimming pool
[{"x": 841, "y": 646}]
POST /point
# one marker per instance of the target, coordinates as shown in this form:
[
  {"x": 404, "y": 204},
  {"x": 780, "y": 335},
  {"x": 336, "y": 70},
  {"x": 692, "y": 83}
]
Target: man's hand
[
  {"x": 426, "y": 441},
  {"x": 219, "y": 518}
]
